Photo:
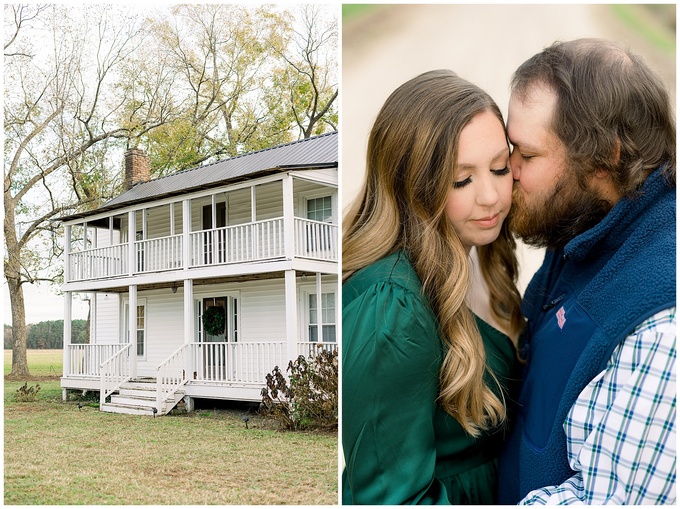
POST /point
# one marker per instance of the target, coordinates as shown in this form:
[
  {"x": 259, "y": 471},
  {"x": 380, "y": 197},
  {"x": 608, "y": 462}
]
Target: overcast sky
[{"x": 42, "y": 303}]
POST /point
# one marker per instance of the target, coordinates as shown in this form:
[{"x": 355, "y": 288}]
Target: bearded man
[{"x": 593, "y": 160}]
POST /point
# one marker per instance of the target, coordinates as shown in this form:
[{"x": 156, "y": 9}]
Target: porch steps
[{"x": 138, "y": 397}]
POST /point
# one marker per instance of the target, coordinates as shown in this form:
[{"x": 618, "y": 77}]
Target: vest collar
[{"x": 611, "y": 231}]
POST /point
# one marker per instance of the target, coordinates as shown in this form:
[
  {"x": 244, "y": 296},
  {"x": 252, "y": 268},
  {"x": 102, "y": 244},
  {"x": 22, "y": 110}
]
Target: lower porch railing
[
  {"x": 245, "y": 362},
  {"x": 86, "y": 360},
  {"x": 312, "y": 348},
  {"x": 171, "y": 375},
  {"x": 114, "y": 371},
  {"x": 224, "y": 362}
]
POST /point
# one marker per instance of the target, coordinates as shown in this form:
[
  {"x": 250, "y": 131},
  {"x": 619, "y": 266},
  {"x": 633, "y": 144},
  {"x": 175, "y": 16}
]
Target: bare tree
[
  {"x": 61, "y": 117},
  {"x": 310, "y": 77}
]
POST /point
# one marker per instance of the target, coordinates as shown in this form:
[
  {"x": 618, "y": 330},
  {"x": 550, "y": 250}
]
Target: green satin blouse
[{"x": 400, "y": 447}]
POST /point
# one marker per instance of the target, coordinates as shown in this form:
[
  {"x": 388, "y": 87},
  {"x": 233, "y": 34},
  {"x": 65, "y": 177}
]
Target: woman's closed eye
[
  {"x": 501, "y": 172},
  {"x": 462, "y": 183}
]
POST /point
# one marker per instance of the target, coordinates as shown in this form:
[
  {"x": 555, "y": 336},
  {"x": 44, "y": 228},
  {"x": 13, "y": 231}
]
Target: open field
[
  {"x": 58, "y": 454},
  {"x": 41, "y": 363}
]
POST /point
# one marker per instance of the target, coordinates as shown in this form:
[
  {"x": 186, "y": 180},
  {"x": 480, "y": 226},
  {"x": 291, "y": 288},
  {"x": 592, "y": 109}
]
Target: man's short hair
[{"x": 609, "y": 103}]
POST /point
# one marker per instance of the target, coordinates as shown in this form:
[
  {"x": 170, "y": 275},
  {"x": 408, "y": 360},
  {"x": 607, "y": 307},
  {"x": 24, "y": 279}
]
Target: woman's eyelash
[{"x": 462, "y": 183}]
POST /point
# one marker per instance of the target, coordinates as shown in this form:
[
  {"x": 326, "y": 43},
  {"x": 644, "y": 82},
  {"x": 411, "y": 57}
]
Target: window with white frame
[
  {"x": 318, "y": 235},
  {"x": 320, "y": 209},
  {"x": 140, "y": 327},
  {"x": 327, "y": 318}
]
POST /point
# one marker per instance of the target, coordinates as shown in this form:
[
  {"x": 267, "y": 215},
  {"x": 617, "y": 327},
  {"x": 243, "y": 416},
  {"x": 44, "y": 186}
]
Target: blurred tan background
[{"x": 385, "y": 45}]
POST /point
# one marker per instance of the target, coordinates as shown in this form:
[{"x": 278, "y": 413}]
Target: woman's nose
[{"x": 488, "y": 194}]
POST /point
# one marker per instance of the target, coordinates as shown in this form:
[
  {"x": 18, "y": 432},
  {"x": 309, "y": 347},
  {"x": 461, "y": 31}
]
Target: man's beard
[{"x": 559, "y": 217}]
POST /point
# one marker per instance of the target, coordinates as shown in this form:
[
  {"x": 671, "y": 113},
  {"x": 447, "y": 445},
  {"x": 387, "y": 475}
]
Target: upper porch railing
[{"x": 255, "y": 241}]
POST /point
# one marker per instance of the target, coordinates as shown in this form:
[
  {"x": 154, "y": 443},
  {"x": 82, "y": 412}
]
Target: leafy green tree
[
  {"x": 221, "y": 55},
  {"x": 50, "y": 334}
]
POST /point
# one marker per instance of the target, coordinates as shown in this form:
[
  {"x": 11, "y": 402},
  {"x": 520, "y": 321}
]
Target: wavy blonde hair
[{"x": 412, "y": 153}]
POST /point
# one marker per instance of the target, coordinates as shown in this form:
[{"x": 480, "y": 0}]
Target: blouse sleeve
[{"x": 391, "y": 360}]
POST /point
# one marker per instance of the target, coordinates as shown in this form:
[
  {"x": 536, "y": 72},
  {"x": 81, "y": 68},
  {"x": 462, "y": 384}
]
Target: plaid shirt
[{"x": 621, "y": 429}]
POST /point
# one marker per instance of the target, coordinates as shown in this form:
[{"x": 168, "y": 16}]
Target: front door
[{"x": 218, "y": 333}]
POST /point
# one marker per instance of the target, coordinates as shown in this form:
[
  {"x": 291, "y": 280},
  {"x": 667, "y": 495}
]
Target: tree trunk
[
  {"x": 19, "y": 361},
  {"x": 16, "y": 291}
]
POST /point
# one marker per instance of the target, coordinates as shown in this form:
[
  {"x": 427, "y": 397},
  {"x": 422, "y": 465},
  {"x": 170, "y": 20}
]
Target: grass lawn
[{"x": 57, "y": 454}]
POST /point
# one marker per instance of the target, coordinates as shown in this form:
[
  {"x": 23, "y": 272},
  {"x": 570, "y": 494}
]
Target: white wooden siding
[
  {"x": 107, "y": 330},
  {"x": 269, "y": 200},
  {"x": 238, "y": 206},
  {"x": 158, "y": 221},
  {"x": 164, "y": 330}
]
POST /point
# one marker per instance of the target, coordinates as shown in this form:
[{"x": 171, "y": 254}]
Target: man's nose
[{"x": 515, "y": 161}]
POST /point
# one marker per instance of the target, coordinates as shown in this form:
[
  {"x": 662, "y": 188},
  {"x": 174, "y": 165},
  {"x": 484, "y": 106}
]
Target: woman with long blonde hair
[{"x": 428, "y": 369}]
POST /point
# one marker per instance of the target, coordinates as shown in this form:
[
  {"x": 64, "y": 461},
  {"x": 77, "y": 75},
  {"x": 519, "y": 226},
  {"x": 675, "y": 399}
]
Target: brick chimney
[{"x": 137, "y": 167}]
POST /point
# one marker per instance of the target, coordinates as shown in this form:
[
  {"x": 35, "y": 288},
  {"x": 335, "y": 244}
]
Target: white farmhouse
[{"x": 204, "y": 280}]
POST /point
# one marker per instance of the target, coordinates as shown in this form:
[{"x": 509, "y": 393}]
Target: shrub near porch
[{"x": 58, "y": 454}]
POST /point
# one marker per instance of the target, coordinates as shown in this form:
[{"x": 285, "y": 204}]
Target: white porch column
[
  {"x": 291, "y": 315},
  {"x": 288, "y": 218},
  {"x": 253, "y": 204},
  {"x": 143, "y": 224},
  {"x": 189, "y": 336},
  {"x": 189, "y": 311},
  {"x": 132, "y": 329},
  {"x": 67, "y": 339},
  {"x": 319, "y": 311},
  {"x": 93, "y": 360},
  {"x": 186, "y": 230},
  {"x": 93, "y": 319},
  {"x": 213, "y": 233},
  {"x": 132, "y": 235},
  {"x": 67, "y": 253}
]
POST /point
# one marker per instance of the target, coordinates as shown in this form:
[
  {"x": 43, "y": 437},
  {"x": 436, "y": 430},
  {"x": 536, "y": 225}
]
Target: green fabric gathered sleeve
[{"x": 391, "y": 360}]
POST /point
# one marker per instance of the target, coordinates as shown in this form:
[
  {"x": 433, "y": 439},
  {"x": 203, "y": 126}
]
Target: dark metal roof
[{"x": 317, "y": 152}]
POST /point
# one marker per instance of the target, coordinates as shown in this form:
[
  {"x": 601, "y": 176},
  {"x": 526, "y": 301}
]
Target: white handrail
[
  {"x": 243, "y": 362},
  {"x": 311, "y": 348},
  {"x": 163, "y": 253},
  {"x": 258, "y": 240},
  {"x": 98, "y": 262},
  {"x": 114, "y": 371},
  {"x": 171, "y": 375},
  {"x": 316, "y": 239},
  {"x": 86, "y": 359}
]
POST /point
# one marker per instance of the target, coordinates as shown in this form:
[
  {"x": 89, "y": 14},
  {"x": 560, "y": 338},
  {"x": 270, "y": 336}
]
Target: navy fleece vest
[{"x": 580, "y": 305}]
